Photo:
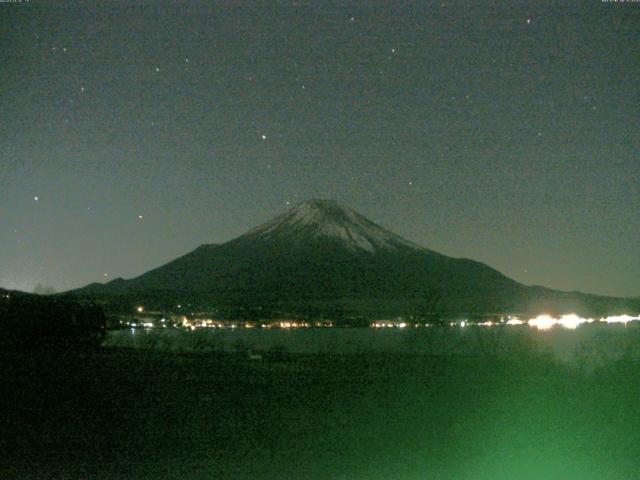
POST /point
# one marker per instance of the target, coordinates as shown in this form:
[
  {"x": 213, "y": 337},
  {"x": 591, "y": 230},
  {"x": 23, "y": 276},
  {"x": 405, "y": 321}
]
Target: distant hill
[{"x": 321, "y": 258}]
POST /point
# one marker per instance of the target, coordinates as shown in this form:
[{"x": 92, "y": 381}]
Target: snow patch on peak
[{"x": 326, "y": 218}]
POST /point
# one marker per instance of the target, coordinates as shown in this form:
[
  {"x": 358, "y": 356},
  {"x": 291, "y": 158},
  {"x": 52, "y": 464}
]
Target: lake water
[{"x": 588, "y": 346}]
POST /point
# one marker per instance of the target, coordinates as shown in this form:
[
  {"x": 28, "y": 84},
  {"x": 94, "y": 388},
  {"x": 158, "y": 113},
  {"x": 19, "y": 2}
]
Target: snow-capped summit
[{"x": 319, "y": 218}]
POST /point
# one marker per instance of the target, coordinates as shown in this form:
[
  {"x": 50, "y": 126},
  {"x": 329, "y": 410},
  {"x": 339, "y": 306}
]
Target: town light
[{"x": 542, "y": 322}]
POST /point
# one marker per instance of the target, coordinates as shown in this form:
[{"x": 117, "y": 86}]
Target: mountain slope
[{"x": 322, "y": 253}]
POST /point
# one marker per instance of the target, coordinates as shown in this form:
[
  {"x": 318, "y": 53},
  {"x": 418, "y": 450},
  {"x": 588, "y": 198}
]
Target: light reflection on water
[{"x": 589, "y": 346}]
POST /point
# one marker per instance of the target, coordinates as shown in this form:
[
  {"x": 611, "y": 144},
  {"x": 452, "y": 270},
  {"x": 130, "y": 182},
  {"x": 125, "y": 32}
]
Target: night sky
[{"x": 506, "y": 132}]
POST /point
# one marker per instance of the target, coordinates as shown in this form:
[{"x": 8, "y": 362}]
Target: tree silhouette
[{"x": 50, "y": 323}]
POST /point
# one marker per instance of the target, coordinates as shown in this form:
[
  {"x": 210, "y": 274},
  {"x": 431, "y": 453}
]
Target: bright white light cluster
[
  {"x": 570, "y": 321},
  {"x": 542, "y": 322},
  {"x": 573, "y": 321},
  {"x": 620, "y": 319}
]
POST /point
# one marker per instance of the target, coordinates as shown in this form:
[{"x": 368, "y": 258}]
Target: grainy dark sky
[{"x": 507, "y": 132}]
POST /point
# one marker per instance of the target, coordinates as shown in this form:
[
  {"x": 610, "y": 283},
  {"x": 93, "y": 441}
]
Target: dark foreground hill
[
  {"x": 323, "y": 259},
  {"x": 145, "y": 415}
]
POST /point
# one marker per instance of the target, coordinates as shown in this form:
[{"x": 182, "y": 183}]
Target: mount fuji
[{"x": 320, "y": 258}]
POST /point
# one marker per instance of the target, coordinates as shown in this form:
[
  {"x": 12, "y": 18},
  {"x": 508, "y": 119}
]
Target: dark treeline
[{"x": 48, "y": 323}]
